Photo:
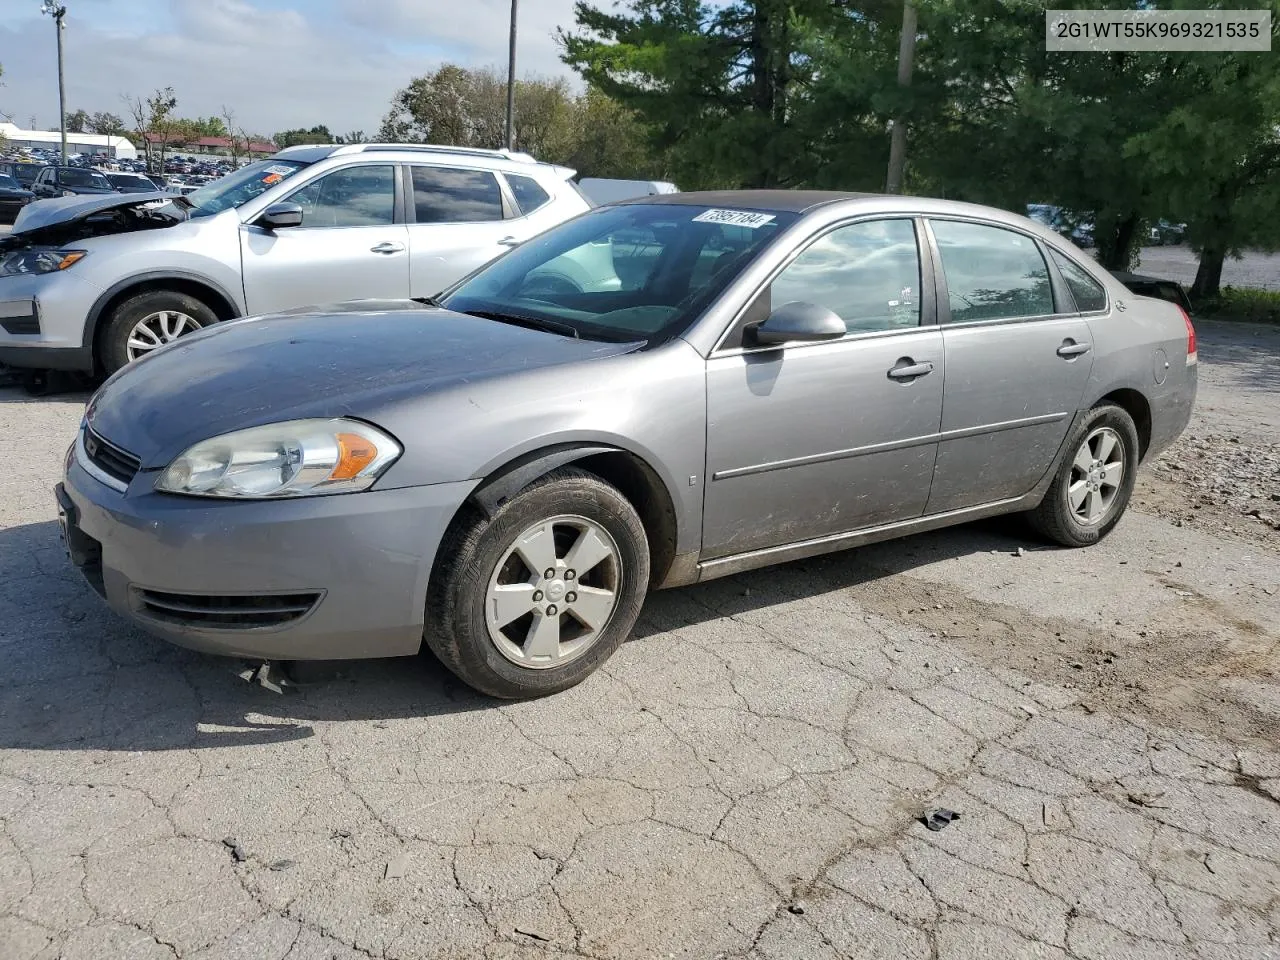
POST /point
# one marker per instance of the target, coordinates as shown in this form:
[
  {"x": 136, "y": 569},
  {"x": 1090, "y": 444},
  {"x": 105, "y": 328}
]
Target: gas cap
[{"x": 1160, "y": 368}]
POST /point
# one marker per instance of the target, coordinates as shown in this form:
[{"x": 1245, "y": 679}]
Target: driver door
[
  {"x": 811, "y": 439},
  {"x": 351, "y": 245}
]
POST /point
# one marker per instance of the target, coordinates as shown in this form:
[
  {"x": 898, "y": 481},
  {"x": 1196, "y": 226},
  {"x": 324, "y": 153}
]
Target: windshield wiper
[
  {"x": 533, "y": 323},
  {"x": 428, "y": 302}
]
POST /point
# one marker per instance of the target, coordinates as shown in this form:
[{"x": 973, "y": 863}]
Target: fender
[
  {"x": 515, "y": 476},
  {"x": 94, "y": 318}
]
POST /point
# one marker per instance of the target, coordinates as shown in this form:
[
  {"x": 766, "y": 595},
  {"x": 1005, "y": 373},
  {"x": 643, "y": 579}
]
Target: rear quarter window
[
  {"x": 1087, "y": 292},
  {"x": 528, "y": 193}
]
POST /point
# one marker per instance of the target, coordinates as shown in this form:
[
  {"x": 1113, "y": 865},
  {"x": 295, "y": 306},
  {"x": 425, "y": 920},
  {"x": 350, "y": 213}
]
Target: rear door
[
  {"x": 1018, "y": 358},
  {"x": 460, "y": 219},
  {"x": 352, "y": 244}
]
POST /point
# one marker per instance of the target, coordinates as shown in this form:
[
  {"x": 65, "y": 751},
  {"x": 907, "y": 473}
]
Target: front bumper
[
  {"x": 365, "y": 557},
  {"x": 62, "y": 303}
]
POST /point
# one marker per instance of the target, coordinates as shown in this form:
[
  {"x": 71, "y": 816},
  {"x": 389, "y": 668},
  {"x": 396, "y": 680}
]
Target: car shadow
[
  {"x": 1250, "y": 350},
  {"x": 79, "y": 677}
]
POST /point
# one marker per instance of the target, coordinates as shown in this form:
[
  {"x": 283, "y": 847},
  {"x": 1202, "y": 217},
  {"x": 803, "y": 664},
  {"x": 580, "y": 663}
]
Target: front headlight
[
  {"x": 298, "y": 458},
  {"x": 34, "y": 261}
]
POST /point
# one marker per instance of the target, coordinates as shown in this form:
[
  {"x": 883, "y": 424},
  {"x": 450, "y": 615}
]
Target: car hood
[
  {"x": 57, "y": 211},
  {"x": 347, "y": 360}
]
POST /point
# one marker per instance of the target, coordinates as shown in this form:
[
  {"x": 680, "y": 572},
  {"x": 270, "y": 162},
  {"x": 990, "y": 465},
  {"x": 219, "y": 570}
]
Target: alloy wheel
[
  {"x": 553, "y": 592},
  {"x": 157, "y": 329},
  {"x": 1097, "y": 473}
]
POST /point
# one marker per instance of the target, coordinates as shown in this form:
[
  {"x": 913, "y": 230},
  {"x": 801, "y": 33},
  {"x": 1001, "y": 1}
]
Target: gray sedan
[{"x": 653, "y": 394}]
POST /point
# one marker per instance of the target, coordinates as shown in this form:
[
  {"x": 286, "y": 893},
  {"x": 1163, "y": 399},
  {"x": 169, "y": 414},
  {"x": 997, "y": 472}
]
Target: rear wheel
[
  {"x": 533, "y": 600},
  {"x": 147, "y": 321},
  {"x": 1093, "y": 485}
]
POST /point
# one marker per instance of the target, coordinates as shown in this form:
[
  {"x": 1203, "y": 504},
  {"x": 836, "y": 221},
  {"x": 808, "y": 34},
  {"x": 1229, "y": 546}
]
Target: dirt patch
[{"x": 1221, "y": 484}]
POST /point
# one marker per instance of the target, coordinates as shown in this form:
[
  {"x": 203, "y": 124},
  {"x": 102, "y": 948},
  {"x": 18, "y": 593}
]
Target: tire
[
  {"x": 185, "y": 314},
  {"x": 1061, "y": 516},
  {"x": 479, "y": 556}
]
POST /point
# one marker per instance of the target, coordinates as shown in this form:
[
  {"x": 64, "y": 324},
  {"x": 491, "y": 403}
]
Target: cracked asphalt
[{"x": 743, "y": 780}]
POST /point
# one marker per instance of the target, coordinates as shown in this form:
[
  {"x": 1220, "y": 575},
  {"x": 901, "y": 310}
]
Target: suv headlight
[
  {"x": 32, "y": 261},
  {"x": 298, "y": 458}
]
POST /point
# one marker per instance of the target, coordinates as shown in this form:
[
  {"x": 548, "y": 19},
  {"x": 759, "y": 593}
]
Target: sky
[{"x": 278, "y": 64}]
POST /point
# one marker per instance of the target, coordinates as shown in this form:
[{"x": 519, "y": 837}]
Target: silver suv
[{"x": 93, "y": 282}]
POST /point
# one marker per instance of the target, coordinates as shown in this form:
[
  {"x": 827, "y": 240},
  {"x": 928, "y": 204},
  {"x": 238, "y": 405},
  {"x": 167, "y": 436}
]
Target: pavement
[{"x": 744, "y": 779}]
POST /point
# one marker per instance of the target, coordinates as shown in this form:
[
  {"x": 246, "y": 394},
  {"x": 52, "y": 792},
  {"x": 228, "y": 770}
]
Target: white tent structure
[{"x": 118, "y": 147}]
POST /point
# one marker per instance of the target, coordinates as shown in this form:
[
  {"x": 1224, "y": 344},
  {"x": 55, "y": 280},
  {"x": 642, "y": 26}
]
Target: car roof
[
  {"x": 506, "y": 160},
  {"x": 790, "y": 201}
]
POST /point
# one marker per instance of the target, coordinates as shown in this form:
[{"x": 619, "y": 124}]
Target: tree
[
  {"x": 77, "y": 121},
  {"x": 106, "y": 123},
  {"x": 155, "y": 124},
  {"x": 235, "y": 136},
  {"x": 292, "y": 138},
  {"x": 716, "y": 85},
  {"x": 467, "y": 108},
  {"x": 353, "y": 136},
  {"x": 1215, "y": 159}
]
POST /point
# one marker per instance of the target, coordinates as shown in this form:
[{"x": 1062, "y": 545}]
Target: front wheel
[
  {"x": 1093, "y": 485},
  {"x": 532, "y": 601},
  {"x": 145, "y": 322}
]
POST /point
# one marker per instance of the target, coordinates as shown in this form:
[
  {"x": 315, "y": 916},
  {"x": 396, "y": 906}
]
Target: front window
[
  {"x": 362, "y": 196},
  {"x": 71, "y": 177},
  {"x": 240, "y": 187},
  {"x": 8, "y": 183},
  {"x": 632, "y": 272}
]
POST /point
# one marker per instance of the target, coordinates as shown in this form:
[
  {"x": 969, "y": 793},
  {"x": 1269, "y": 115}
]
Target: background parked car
[
  {"x": 13, "y": 197},
  {"x": 130, "y": 182},
  {"x": 115, "y": 278},
  {"x": 69, "y": 181}
]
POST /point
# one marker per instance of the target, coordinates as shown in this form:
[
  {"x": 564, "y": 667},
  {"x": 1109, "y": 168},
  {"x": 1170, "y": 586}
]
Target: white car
[{"x": 94, "y": 282}]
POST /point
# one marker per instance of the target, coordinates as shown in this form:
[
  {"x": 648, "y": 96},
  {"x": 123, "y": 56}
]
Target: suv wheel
[
  {"x": 533, "y": 600},
  {"x": 150, "y": 320}
]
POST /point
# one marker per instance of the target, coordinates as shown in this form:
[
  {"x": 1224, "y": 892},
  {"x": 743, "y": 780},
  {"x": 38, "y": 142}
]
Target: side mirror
[
  {"x": 796, "y": 322},
  {"x": 280, "y": 215}
]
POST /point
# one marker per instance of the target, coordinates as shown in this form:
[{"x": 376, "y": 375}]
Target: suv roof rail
[{"x": 434, "y": 148}]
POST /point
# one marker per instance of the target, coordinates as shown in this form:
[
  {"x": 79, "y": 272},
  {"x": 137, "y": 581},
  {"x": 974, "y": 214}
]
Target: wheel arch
[
  {"x": 634, "y": 477},
  {"x": 219, "y": 300},
  {"x": 1136, "y": 404}
]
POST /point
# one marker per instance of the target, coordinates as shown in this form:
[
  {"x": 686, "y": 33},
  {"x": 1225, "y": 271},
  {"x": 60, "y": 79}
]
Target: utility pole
[
  {"x": 898, "y": 137},
  {"x": 56, "y": 10},
  {"x": 511, "y": 83}
]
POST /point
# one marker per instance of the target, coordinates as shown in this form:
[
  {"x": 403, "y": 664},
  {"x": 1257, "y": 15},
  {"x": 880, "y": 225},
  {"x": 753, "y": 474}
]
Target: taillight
[{"x": 1191, "y": 336}]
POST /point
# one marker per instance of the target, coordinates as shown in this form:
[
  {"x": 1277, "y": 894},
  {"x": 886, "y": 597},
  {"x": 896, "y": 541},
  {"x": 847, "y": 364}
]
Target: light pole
[
  {"x": 511, "y": 82},
  {"x": 56, "y": 10}
]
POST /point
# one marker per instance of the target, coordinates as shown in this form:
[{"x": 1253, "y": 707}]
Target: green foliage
[
  {"x": 77, "y": 121},
  {"x": 467, "y": 108},
  {"x": 1233, "y": 303},
  {"x": 292, "y": 138}
]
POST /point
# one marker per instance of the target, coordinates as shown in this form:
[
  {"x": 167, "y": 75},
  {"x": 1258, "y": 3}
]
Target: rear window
[
  {"x": 528, "y": 193},
  {"x": 454, "y": 195}
]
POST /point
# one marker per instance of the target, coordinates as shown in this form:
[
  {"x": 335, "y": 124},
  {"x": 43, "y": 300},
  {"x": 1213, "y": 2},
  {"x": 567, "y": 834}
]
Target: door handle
[
  {"x": 508, "y": 242},
  {"x": 387, "y": 247},
  {"x": 908, "y": 369},
  {"x": 1071, "y": 349}
]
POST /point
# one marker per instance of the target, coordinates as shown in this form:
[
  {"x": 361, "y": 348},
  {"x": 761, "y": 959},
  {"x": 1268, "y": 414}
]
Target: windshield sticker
[
  {"x": 271, "y": 178},
  {"x": 281, "y": 169},
  {"x": 734, "y": 218}
]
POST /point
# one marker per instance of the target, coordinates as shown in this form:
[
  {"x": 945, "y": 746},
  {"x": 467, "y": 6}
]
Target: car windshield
[
  {"x": 631, "y": 272},
  {"x": 241, "y": 187},
  {"x": 130, "y": 183},
  {"x": 8, "y": 183},
  {"x": 73, "y": 177}
]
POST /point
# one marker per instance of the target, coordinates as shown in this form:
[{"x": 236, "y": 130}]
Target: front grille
[
  {"x": 226, "y": 612},
  {"x": 109, "y": 458}
]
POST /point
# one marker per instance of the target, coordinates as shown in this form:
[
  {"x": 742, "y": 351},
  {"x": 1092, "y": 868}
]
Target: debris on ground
[
  {"x": 267, "y": 675},
  {"x": 938, "y": 818},
  {"x": 396, "y": 867},
  {"x": 237, "y": 850}
]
